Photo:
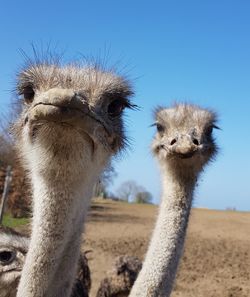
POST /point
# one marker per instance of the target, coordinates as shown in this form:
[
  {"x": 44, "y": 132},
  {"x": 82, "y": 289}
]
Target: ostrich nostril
[
  {"x": 195, "y": 141},
  {"x": 26, "y": 120},
  {"x": 173, "y": 141}
]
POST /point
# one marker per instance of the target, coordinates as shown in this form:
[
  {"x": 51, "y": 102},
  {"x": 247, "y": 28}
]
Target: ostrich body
[
  {"x": 70, "y": 127},
  {"x": 121, "y": 278},
  {"x": 183, "y": 145}
]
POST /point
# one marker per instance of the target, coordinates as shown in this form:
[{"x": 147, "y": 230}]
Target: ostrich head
[
  {"x": 184, "y": 138},
  {"x": 72, "y": 104},
  {"x": 13, "y": 249}
]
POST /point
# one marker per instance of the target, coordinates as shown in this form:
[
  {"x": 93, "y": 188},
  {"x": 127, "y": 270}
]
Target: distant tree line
[{"x": 130, "y": 191}]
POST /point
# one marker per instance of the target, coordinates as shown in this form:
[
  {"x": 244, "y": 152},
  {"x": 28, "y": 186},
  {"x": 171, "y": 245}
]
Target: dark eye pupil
[
  {"x": 115, "y": 108},
  {"x": 209, "y": 130},
  {"x": 28, "y": 94},
  {"x": 5, "y": 256},
  {"x": 159, "y": 128}
]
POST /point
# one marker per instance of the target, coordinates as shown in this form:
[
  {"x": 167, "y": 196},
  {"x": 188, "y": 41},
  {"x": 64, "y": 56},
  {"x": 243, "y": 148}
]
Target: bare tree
[
  {"x": 18, "y": 202},
  {"x": 7, "y": 151},
  {"x": 106, "y": 179},
  {"x": 5, "y": 192},
  {"x": 128, "y": 190},
  {"x": 143, "y": 197}
]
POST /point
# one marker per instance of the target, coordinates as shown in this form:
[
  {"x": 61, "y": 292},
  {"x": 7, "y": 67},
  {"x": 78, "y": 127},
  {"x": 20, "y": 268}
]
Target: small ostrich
[
  {"x": 183, "y": 145},
  {"x": 70, "y": 126},
  {"x": 121, "y": 278},
  {"x": 13, "y": 250}
]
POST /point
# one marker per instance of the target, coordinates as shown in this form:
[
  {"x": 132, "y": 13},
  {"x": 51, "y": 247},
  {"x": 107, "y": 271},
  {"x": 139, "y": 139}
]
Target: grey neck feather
[
  {"x": 58, "y": 216},
  {"x": 161, "y": 262}
]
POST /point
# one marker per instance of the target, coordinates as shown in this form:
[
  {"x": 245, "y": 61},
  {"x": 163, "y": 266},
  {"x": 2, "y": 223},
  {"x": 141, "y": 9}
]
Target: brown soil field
[{"x": 216, "y": 259}]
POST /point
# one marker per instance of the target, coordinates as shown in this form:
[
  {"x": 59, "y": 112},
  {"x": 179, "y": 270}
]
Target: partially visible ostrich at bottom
[
  {"x": 71, "y": 125},
  {"x": 183, "y": 145},
  {"x": 13, "y": 250}
]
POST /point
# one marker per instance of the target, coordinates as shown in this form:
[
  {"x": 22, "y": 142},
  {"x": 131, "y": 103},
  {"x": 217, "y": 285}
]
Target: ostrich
[
  {"x": 13, "y": 250},
  {"x": 121, "y": 278},
  {"x": 70, "y": 126},
  {"x": 183, "y": 146}
]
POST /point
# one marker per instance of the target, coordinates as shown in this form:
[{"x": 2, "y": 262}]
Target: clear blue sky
[{"x": 197, "y": 51}]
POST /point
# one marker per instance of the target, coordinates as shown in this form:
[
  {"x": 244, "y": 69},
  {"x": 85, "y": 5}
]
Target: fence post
[{"x": 7, "y": 182}]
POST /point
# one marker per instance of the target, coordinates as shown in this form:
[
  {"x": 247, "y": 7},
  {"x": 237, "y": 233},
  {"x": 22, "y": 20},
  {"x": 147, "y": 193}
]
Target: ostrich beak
[
  {"x": 63, "y": 106},
  {"x": 58, "y": 105},
  {"x": 184, "y": 146}
]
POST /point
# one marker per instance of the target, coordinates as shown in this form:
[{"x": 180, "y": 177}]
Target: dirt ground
[{"x": 216, "y": 260}]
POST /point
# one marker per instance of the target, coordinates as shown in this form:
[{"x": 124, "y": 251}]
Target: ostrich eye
[
  {"x": 28, "y": 94},
  {"x": 209, "y": 130},
  {"x": 6, "y": 257},
  {"x": 116, "y": 107},
  {"x": 159, "y": 128}
]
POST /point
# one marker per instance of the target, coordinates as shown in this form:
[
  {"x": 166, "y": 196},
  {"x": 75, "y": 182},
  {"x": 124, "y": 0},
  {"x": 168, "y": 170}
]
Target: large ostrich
[
  {"x": 183, "y": 145},
  {"x": 70, "y": 127}
]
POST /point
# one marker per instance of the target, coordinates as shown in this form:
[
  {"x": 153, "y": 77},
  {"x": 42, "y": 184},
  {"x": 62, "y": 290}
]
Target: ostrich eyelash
[
  {"x": 160, "y": 128},
  {"x": 129, "y": 105},
  {"x": 216, "y": 127}
]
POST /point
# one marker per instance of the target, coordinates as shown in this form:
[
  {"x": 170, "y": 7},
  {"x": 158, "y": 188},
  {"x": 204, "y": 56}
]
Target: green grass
[{"x": 8, "y": 221}]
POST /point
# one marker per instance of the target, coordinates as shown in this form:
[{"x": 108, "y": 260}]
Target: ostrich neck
[
  {"x": 61, "y": 195},
  {"x": 159, "y": 269}
]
